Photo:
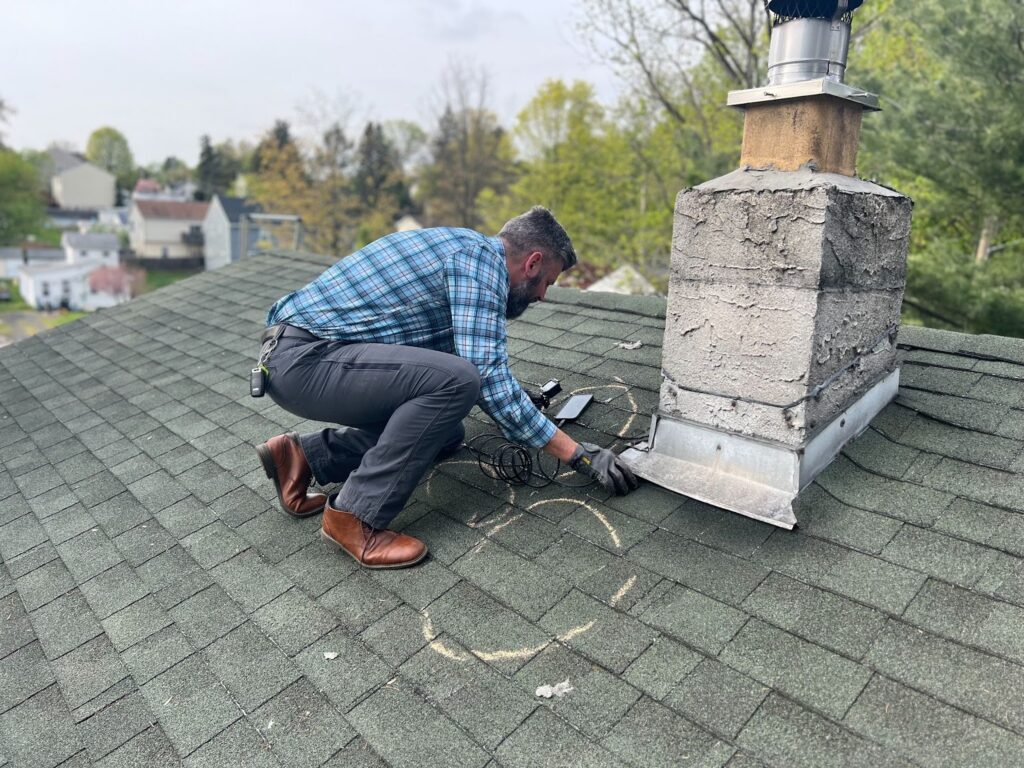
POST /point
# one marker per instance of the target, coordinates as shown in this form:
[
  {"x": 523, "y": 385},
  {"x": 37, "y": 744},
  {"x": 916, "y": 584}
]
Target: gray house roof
[
  {"x": 158, "y": 608},
  {"x": 91, "y": 241},
  {"x": 235, "y": 207}
]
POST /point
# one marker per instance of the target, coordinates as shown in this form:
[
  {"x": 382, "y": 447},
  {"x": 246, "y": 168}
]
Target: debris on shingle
[
  {"x": 558, "y": 690},
  {"x": 630, "y": 344}
]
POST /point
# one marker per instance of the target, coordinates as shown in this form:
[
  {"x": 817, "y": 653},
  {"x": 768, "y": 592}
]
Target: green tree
[
  {"x": 21, "y": 209},
  {"x": 217, "y": 168},
  {"x": 469, "y": 152},
  {"x": 951, "y": 135},
  {"x": 108, "y": 148},
  {"x": 379, "y": 184},
  {"x": 5, "y": 110}
]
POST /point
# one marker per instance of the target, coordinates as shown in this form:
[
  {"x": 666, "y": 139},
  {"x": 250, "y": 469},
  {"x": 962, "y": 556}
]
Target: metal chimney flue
[{"x": 809, "y": 40}]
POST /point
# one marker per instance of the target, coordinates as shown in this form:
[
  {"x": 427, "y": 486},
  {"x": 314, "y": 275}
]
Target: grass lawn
[
  {"x": 158, "y": 278},
  {"x": 60, "y": 318},
  {"x": 16, "y": 304}
]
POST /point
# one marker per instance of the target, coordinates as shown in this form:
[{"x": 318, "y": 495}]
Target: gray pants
[{"x": 399, "y": 407}]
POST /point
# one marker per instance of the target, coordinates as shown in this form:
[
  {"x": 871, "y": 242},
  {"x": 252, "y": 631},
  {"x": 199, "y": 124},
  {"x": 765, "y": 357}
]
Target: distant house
[
  {"x": 93, "y": 247},
  {"x": 13, "y": 258},
  {"x": 79, "y": 184},
  {"x": 407, "y": 223},
  {"x": 146, "y": 189},
  {"x": 625, "y": 280},
  {"x": 70, "y": 219},
  {"x": 62, "y": 285},
  {"x": 167, "y": 229},
  {"x": 223, "y": 230}
]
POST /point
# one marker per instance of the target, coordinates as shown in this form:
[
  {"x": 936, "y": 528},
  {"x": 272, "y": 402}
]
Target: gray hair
[{"x": 538, "y": 229}]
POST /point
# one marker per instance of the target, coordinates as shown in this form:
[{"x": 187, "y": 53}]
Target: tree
[
  {"x": 951, "y": 135},
  {"x": 276, "y": 139},
  {"x": 577, "y": 160},
  {"x": 379, "y": 184},
  {"x": 469, "y": 152},
  {"x": 657, "y": 45},
  {"x": 4, "y": 112},
  {"x": 108, "y": 148},
  {"x": 217, "y": 168},
  {"x": 21, "y": 209}
]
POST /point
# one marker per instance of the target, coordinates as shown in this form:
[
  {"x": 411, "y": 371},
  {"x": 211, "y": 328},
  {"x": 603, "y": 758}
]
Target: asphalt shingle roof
[{"x": 159, "y": 609}]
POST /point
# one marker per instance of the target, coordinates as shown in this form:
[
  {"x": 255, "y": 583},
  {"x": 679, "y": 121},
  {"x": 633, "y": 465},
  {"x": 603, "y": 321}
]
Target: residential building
[
  {"x": 223, "y": 230},
  {"x": 167, "y": 229},
  {"x": 79, "y": 184},
  {"x": 13, "y": 258},
  {"x": 407, "y": 223},
  {"x": 92, "y": 247},
  {"x": 64, "y": 285}
]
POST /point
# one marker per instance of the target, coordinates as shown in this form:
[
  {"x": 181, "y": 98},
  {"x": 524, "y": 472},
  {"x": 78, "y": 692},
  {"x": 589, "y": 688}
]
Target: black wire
[{"x": 516, "y": 464}]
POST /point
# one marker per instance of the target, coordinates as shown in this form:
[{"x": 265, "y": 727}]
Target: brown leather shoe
[
  {"x": 286, "y": 465},
  {"x": 371, "y": 547}
]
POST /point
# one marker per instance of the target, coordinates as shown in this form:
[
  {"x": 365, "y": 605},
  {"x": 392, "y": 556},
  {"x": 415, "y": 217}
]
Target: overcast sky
[{"x": 164, "y": 73}]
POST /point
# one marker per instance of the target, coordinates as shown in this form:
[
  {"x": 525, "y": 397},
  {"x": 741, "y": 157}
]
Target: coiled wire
[{"x": 516, "y": 464}]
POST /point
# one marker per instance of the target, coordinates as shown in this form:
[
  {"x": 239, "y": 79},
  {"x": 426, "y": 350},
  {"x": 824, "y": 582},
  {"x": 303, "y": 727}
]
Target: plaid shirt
[{"x": 442, "y": 289}]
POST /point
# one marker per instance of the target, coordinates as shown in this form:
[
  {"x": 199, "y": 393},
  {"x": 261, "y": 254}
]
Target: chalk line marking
[
  {"x": 623, "y": 590},
  {"x": 502, "y": 655},
  {"x": 614, "y": 534}
]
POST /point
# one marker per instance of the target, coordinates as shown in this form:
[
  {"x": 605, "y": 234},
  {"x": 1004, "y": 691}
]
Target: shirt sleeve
[{"x": 477, "y": 294}]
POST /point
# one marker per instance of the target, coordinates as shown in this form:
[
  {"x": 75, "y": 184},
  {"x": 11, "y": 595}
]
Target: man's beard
[{"x": 521, "y": 296}]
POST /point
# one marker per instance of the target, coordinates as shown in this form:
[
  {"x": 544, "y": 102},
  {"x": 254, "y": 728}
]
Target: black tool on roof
[{"x": 542, "y": 399}]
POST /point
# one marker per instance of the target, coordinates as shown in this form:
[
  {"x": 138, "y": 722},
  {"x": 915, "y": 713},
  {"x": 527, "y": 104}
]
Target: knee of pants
[{"x": 466, "y": 378}]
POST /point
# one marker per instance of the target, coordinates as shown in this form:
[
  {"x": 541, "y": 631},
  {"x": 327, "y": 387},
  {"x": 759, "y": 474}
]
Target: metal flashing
[
  {"x": 752, "y": 477},
  {"x": 822, "y": 86}
]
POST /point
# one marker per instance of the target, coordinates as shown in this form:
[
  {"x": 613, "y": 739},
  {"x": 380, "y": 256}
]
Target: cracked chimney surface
[{"x": 785, "y": 289}]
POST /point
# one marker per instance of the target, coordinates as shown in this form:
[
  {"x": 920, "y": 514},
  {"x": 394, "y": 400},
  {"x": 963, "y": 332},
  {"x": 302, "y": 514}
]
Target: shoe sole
[
  {"x": 327, "y": 538},
  {"x": 267, "y": 460}
]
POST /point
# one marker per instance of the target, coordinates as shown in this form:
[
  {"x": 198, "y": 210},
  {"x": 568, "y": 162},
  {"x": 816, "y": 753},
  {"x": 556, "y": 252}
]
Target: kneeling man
[{"x": 396, "y": 343}]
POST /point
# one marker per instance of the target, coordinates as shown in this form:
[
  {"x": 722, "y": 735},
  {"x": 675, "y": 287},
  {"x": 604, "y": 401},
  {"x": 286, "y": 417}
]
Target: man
[{"x": 397, "y": 342}]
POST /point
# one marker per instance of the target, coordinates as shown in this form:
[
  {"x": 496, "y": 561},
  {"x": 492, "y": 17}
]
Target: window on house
[
  {"x": 65, "y": 287},
  {"x": 164, "y": 252},
  {"x": 46, "y": 289}
]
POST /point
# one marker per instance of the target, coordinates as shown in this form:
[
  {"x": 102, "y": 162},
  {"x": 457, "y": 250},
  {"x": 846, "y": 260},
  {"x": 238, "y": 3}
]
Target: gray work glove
[{"x": 604, "y": 466}]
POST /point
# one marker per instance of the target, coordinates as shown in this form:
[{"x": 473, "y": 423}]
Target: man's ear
[{"x": 533, "y": 264}]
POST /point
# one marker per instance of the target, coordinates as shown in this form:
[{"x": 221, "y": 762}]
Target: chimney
[{"x": 785, "y": 289}]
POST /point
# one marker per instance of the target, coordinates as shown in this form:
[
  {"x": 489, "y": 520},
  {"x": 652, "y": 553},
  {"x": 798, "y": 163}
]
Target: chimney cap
[{"x": 810, "y": 9}]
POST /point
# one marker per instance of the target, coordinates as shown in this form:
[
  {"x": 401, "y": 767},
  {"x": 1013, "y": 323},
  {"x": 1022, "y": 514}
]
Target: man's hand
[{"x": 604, "y": 466}]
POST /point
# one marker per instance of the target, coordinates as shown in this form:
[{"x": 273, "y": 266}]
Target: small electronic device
[
  {"x": 542, "y": 399},
  {"x": 573, "y": 407},
  {"x": 257, "y": 382}
]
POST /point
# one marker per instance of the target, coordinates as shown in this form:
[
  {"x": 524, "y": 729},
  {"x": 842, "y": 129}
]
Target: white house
[
  {"x": 223, "y": 230},
  {"x": 64, "y": 285},
  {"x": 79, "y": 184},
  {"x": 13, "y": 258},
  {"x": 407, "y": 223},
  {"x": 93, "y": 247},
  {"x": 167, "y": 228}
]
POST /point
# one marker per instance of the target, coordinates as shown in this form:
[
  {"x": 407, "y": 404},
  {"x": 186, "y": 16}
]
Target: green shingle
[
  {"x": 784, "y": 733},
  {"x": 717, "y": 697},
  {"x": 977, "y": 682},
  {"x": 808, "y": 673},
  {"x": 919, "y": 727},
  {"x": 822, "y": 617}
]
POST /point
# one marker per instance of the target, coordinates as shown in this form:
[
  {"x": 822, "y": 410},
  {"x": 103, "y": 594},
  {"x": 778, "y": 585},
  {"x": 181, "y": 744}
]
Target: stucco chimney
[{"x": 785, "y": 289}]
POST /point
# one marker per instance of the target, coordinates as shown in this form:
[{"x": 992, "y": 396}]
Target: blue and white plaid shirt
[{"x": 442, "y": 289}]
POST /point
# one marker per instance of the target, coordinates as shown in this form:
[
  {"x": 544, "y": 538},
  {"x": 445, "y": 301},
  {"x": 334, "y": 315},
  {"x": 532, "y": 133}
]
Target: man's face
[{"x": 528, "y": 289}]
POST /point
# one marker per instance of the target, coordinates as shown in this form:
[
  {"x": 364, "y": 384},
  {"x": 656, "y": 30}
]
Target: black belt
[{"x": 285, "y": 331}]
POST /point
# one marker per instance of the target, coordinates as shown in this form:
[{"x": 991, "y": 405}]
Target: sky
[{"x": 165, "y": 73}]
